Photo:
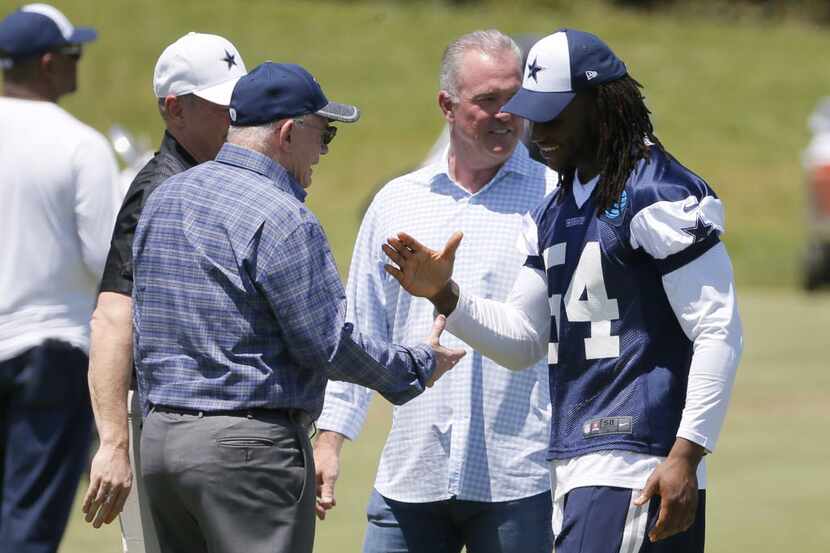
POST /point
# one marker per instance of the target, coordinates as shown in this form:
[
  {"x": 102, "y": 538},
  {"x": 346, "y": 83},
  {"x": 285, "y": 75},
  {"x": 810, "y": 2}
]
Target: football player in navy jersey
[{"x": 628, "y": 292}]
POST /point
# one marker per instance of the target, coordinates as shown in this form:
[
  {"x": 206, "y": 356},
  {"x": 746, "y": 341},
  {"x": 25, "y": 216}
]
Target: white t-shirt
[{"x": 59, "y": 196}]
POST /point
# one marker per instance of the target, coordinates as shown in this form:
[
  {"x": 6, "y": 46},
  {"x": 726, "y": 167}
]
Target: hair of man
[
  {"x": 624, "y": 136},
  {"x": 490, "y": 41},
  {"x": 254, "y": 137}
]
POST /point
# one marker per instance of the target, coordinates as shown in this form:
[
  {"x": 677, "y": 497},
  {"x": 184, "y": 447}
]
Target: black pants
[
  {"x": 45, "y": 430},
  {"x": 228, "y": 484}
]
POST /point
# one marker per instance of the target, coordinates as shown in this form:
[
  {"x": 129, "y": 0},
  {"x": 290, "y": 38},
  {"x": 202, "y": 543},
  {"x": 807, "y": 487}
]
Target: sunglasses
[
  {"x": 71, "y": 51},
  {"x": 327, "y": 133}
]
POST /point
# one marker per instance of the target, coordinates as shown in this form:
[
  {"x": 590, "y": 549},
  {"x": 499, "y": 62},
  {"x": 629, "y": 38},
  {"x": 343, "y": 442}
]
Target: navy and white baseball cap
[
  {"x": 201, "y": 64},
  {"x": 38, "y": 28},
  {"x": 275, "y": 91},
  {"x": 558, "y": 66}
]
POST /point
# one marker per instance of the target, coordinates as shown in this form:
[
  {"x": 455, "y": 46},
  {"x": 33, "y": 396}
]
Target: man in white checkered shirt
[{"x": 464, "y": 465}]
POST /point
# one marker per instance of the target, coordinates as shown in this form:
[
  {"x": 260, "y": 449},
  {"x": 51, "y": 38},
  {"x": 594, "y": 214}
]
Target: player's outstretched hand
[
  {"x": 675, "y": 481},
  {"x": 445, "y": 358},
  {"x": 110, "y": 481},
  {"x": 420, "y": 270}
]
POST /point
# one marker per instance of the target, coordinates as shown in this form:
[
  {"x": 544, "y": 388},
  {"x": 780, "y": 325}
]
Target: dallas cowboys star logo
[
  {"x": 230, "y": 59},
  {"x": 533, "y": 68},
  {"x": 700, "y": 231}
]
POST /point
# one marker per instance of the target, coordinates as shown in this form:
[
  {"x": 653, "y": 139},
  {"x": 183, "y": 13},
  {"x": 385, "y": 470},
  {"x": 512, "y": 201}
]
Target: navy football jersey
[{"x": 618, "y": 358}]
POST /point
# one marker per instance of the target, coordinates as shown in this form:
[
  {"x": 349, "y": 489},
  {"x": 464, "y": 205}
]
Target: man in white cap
[
  {"x": 193, "y": 81},
  {"x": 60, "y": 197}
]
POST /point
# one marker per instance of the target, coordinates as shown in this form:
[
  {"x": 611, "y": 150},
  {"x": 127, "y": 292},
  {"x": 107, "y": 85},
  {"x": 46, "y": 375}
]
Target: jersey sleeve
[
  {"x": 515, "y": 333},
  {"x": 676, "y": 222},
  {"x": 702, "y": 296}
]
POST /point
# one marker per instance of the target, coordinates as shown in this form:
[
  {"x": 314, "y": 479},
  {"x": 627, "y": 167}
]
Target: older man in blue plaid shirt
[
  {"x": 463, "y": 466},
  {"x": 239, "y": 319}
]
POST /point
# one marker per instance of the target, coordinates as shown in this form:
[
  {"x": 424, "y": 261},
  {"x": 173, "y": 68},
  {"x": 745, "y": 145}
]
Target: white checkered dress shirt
[{"x": 481, "y": 433}]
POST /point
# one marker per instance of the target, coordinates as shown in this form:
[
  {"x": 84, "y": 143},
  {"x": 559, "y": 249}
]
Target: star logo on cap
[
  {"x": 699, "y": 232},
  {"x": 533, "y": 68},
  {"x": 230, "y": 59}
]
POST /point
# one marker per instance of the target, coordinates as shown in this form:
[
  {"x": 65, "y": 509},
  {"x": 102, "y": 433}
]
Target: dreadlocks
[{"x": 624, "y": 135}]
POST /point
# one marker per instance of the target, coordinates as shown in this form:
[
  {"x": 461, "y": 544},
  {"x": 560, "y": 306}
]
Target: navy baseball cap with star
[
  {"x": 559, "y": 66},
  {"x": 38, "y": 28},
  {"x": 274, "y": 91}
]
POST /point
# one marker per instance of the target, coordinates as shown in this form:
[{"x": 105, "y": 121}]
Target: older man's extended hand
[{"x": 445, "y": 358}]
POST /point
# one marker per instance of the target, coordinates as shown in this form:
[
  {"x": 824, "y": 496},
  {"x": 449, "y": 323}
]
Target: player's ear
[{"x": 46, "y": 63}]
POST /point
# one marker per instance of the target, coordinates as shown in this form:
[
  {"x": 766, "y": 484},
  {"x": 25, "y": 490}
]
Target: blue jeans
[
  {"x": 523, "y": 525},
  {"x": 45, "y": 430}
]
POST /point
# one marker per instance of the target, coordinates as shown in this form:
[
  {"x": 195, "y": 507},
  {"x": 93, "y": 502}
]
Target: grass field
[
  {"x": 730, "y": 96},
  {"x": 768, "y": 479},
  {"x": 730, "y": 100}
]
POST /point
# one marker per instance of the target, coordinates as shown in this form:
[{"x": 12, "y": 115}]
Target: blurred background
[{"x": 731, "y": 86}]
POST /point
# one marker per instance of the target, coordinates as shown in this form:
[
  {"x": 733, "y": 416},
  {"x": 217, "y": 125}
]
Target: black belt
[{"x": 296, "y": 416}]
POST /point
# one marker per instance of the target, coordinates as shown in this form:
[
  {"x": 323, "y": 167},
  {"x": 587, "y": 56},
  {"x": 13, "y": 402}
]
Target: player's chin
[{"x": 555, "y": 160}]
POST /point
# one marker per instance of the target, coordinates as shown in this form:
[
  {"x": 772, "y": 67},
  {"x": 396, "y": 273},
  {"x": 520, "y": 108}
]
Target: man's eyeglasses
[
  {"x": 71, "y": 51},
  {"x": 327, "y": 133}
]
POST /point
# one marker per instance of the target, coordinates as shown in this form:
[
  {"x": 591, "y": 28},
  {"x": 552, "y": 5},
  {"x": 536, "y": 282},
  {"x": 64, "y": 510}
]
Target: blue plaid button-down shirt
[
  {"x": 237, "y": 300},
  {"x": 481, "y": 433}
]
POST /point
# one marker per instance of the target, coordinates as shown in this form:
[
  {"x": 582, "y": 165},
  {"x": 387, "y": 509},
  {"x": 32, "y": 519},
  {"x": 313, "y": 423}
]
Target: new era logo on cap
[{"x": 562, "y": 64}]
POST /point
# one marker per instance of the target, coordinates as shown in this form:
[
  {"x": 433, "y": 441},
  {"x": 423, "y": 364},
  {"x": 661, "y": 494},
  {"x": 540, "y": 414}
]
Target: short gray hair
[
  {"x": 490, "y": 42},
  {"x": 253, "y": 137}
]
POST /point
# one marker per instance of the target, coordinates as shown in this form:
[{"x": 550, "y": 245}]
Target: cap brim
[
  {"x": 83, "y": 34},
  {"x": 538, "y": 107},
  {"x": 218, "y": 94},
  {"x": 344, "y": 113}
]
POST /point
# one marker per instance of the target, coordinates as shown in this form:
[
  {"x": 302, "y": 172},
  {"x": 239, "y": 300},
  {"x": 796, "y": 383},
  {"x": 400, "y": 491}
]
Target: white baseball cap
[{"x": 201, "y": 64}]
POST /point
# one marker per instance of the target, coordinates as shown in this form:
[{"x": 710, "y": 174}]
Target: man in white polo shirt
[{"x": 60, "y": 197}]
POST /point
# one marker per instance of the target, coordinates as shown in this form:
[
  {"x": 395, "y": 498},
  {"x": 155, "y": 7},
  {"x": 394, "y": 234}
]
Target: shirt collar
[
  {"x": 244, "y": 158},
  {"x": 518, "y": 163},
  {"x": 582, "y": 192},
  {"x": 171, "y": 146}
]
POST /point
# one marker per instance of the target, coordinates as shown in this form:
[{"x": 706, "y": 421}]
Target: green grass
[
  {"x": 730, "y": 97},
  {"x": 768, "y": 485}
]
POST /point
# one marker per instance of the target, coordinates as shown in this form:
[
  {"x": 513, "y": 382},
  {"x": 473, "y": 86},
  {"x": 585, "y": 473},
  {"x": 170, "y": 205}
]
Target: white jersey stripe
[{"x": 635, "y": 526}]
